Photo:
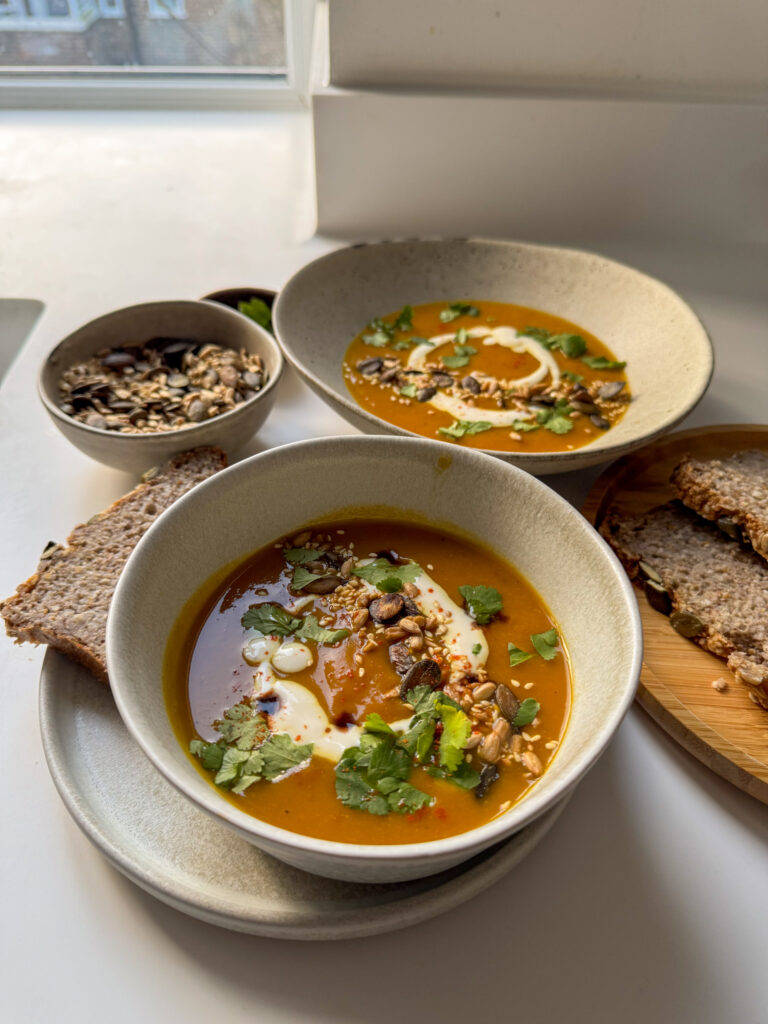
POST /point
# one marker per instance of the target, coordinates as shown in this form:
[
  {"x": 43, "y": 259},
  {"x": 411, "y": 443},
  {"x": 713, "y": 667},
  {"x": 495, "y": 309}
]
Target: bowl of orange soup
[
  {"x": 373, "y": 657},
  {"x": 551, "y": 359}
]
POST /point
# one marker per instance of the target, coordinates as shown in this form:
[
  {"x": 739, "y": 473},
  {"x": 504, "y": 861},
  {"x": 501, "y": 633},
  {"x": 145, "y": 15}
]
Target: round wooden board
[{"x": 725, "y": 731}]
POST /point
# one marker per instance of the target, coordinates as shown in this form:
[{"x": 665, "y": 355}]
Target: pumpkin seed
[
  {"x": 508, "y": 703},
  {"x": 488, "y": 775},
  {"x": 400, "y": 658},
  {"x": 729, "y": 528},
  {"x": 647, "y": 572},
  {"x": 386, "y": 608},
  {"x": 600, "y": 421},
  {"x": 423, "y": 673},
  {"x": 369, "y": 367},
  {"x": 687, "y": 624},
  {"x": 658, "y": 597},
  {"x": 442, "y": 380},
  {"x": 471, "y": 384},
  {"x": 609, "y": 391},
  {"x": 424, "y": 394},
  {"x": 324, "y": 585}
]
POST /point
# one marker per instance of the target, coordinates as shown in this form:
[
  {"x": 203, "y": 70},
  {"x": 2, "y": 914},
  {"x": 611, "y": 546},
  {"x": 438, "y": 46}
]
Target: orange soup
[
  {"x": 487, "y": 375},
  {"x": 370, "y": 681}
]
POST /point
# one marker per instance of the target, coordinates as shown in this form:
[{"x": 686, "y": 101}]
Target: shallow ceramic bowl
[
  {"x": 183, "y": 318},
  {"x": 669, "y": 356},
  {"x": 248, "y": 506}
]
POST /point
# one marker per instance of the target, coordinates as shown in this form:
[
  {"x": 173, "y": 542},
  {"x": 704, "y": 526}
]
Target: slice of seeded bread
[
  {"x": 721, "y": 583},
  {"x": 65, "y": 603},
  {"x": 731, "y": 491}
]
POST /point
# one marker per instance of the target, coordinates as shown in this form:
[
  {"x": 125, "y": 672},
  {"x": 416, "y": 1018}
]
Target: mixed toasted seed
[
  {"x": 164, "y": 384},
  {"x": 418, "y": 653},
  {"x": 602, "y": 401}
]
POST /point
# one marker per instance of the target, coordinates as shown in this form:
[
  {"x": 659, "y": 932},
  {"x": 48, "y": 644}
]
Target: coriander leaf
[
  {"x": 556, "y": 419},
  {"x": 524, "y": 426},
  {"x": 461, "y": 338},
  {"x": 420, "y": 736},
  {"x": 230, "y": 765},
  {"x": 406, "y": 799},
  {"x": 242, "y": 726},
  {"x": 527, "y": 712},
  {"x": 210, "y": 754},
  {"x": 602, "y": 363},
  {"x": 538, "y": 334},
  {"x": 299, "y": 556},
  {"x": 379, "y": 339},
  {"x": 462, "y": 428},
  {"x": 464, "y": 776},
  {"x": 404, "y": 343},
  {"x": 302, "y": 576},
  {"x": 571, "y": 345},
  {"x": 404, "y": 319},
  {"x": 250, "y": 772},
  {"x": 351, "y": 787},
  {"x": 310, "y": 629},
  {"x": 389, "y": 760},
  {"x": 280, "y": 754},
  {"x": 380, "y": 572},
  {"x": 477, "y": 648},
  {"x": 246, "y": 779},
  {"x": 409, "y": 390},
  {"x": 516, "y": 656},
  {"x": 545, "y": 644},
  {"x": 455, "y": 362},
  {"x": 257, "y": 310},
  {"x": 575, "y": 377},
  {"x": 465, "y": 350},
  {"x": 453, "y": 739},
  {"x": 457, "y": 309},
  {"x": 375, "y": 723},
  {"x": 269, "y": 620},
  {"x": 421, "y": 698},
  {"x": 482, "y": 602}
]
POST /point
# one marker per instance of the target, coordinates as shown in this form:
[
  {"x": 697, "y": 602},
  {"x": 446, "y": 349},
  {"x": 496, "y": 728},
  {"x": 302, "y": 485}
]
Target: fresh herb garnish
[
  {"x": 310, "y": 629},
  {"x": 302, "y": 577},
  {"x": 575, "y": 377},
  {"x": 527, "y": 711},
  {"x": 482, "y": 602},
  {"x": 556, "y": 419},
  {"x": 373, "y": 776},
  {"x": 545, "y": 644},
  {"x": 524, "y": 426},
  {"x": 246, "y": 751},
  {"x": 477, "y": 648},
  {"x": 602, "y": 363},
  {"x": 409, "y": 390},
  {"x": 404, "y": 319},
  {"x": 387, "y": 577},
  {"x": 431, "y": 707},
  {"x": 403, "y": 343},
  {"x": 457, "y": 309},
  {"x": 272, "y": 620},
  {"x": 464, "y": 776},
  {"x": 298, "y": 556},
  {"x": 462, "y": 351},
  {"x": 257, "y": 310},
  {"x": 516, "y": 655},
  {"x": 571, "y": 345},
  {"x": 461, "y": 428}
]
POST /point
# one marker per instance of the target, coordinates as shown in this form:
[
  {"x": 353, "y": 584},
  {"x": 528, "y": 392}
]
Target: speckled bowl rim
[
  {"x": 610, "y": 451},
  {"x": 535, "y": 802},
  {"x": 189, "y": 431}
]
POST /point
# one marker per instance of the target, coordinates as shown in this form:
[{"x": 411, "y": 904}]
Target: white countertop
[{"x": 647, "y": 901}]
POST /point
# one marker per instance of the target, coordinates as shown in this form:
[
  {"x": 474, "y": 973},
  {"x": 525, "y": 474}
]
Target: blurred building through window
[{"x": 246, "y": 35}]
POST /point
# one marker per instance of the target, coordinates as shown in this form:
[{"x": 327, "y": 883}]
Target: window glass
[{"x": 167, "y": 34}]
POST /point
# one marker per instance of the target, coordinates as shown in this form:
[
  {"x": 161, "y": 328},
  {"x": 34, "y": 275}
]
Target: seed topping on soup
[
  {"x": 372, "y": 686},
  {"x": 500, "y": 376}
]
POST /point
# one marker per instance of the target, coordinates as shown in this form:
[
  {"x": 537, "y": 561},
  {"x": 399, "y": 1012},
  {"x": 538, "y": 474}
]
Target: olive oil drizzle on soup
[
  {"x": 487, "y": 375},
  {"x": 303, "y": 657}
]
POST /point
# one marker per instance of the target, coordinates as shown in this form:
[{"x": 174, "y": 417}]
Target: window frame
[{"x": 64, "y": 88}]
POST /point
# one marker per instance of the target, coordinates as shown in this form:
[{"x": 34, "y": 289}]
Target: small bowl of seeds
[{"x": 138, "y": 385}]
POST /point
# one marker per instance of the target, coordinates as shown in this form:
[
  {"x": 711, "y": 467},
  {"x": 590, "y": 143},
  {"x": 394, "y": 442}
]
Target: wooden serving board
[{"x": 725, "y": 731}]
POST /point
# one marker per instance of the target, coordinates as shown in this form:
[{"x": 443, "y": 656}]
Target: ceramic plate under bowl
[
  {"x": 668, "y": 353},
  {"x": 179, "y": 854}
]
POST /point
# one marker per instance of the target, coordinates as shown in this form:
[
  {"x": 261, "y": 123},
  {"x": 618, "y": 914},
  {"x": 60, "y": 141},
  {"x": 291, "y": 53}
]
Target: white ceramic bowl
[
  {"x": 236, "y": 512},
  {"x": 182, "y": 318},
  {"x": 669, "y": 355}
]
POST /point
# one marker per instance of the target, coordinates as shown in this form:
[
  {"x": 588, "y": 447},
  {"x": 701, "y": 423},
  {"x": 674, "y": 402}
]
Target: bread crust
[
  {"x": 696, "y": 561},
  {"x": 65, "y": 602}
]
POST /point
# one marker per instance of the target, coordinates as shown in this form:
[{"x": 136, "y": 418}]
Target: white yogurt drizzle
[
  {"x": 507, "y": 337},
  {"x": 301, "y": 715}
]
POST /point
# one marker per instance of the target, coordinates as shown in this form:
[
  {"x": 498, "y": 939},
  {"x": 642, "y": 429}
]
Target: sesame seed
[{"x": 528, "y": 686}]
